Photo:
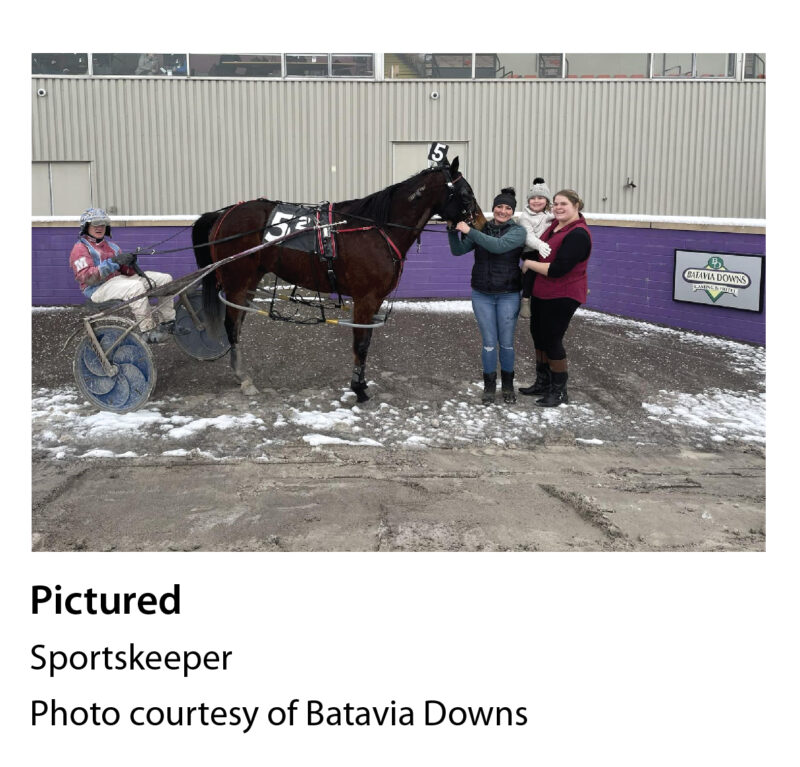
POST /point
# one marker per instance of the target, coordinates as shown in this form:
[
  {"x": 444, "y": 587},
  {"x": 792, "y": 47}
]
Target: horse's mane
[{"x": 376, "y": 207}]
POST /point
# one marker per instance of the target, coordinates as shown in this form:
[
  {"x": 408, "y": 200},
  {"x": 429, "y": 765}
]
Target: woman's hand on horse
[{"x": 463, "y": 227}]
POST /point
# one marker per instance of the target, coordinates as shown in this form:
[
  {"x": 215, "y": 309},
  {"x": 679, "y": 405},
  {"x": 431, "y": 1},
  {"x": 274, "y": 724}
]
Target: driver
[{"x": 105, "y": 273}]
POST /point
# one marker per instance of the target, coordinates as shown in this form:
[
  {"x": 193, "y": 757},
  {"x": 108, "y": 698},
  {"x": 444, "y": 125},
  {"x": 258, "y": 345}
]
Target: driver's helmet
[{"x": 95, "y": 217}]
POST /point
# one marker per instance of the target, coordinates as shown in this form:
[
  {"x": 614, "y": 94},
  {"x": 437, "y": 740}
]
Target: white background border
[{"x": 621, "y": 659}]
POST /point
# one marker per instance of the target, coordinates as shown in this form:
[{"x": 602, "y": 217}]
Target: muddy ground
[{"x": 627, "y": 466}]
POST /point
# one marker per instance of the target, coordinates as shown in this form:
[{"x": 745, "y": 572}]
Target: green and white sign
[{"x": 719, "y": 279}]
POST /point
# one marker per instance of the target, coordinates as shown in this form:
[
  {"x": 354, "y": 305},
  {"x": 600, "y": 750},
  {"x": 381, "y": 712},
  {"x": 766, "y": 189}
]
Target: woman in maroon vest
[{"x": 559, "y": 289}]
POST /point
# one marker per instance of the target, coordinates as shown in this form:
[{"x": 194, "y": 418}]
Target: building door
[
  {"x": 410, "y": 157},
  {"x": 61, "y": 188}
]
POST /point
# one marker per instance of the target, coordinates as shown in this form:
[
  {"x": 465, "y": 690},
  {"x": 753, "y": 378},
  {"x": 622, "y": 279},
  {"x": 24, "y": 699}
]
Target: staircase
[{"x": 399, "y": 66}]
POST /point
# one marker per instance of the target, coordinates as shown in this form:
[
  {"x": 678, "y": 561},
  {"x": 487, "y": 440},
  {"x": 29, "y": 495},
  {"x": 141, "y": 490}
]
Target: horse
[{"x": 372, "y": 236}]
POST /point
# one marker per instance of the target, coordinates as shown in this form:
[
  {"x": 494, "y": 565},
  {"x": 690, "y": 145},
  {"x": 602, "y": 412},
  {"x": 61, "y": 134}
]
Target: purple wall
[
  {"x": 630, "y": 272},
  {"x": 53, "y": 283}
]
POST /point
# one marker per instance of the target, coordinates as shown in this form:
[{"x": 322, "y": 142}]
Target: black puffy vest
[{"x": 497, "y": 272}]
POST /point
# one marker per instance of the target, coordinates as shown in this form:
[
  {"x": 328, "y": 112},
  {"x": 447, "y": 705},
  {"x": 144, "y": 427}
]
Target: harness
[
  {"x": 312, "y": 229},
  {"x": 326, "y": 246},
  {"x": 97, "y": 258},
  {"x": 316, "y": 233}
]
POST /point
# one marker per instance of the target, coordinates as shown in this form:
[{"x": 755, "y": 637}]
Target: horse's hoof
[{"x": 360, "y": 391}]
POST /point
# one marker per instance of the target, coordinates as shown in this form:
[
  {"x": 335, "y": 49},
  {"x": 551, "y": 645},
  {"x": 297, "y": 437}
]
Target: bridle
[{"x": 467, "y": 215}]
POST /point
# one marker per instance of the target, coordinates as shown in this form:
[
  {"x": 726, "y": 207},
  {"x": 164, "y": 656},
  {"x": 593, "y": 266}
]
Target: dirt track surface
[{"x": 656, "y": 450}]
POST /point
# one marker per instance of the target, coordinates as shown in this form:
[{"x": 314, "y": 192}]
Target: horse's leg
[
  {"x": 363, "y": 312},
  {"x": 233, "y": 325},
  {"x": 361, "y": 341}
]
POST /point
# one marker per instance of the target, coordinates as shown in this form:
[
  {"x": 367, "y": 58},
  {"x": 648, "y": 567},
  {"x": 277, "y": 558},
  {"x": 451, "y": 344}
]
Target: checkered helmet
[{"x": 94, "y": 217}]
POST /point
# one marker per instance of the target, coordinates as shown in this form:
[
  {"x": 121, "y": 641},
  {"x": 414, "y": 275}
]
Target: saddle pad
[{"x": 286, "y": 219}]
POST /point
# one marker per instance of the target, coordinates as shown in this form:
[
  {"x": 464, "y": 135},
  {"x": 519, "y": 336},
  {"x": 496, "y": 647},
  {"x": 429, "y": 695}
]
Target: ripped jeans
[{"x": 496, "y": 314}]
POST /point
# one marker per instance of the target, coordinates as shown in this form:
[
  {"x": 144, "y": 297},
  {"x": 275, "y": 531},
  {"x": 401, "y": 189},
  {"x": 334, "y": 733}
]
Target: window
[
  {"x": 591, "y": 65},
  {"x": 549, "y": 64},
  {"x": 398, "y": 66},
  {"x": 672, "y": 65},
  {"x": 306, "y": 64},
  {"x": 460, "y": 65},
  {"x": 448, "y": 65},
  {"x": 694, "y": 64},
  {"x": 235, "y": 65},
  {"x": 755, "y": 66},
  {"x": 518, "y": 65},
  {"x": 488, "y": 66},
  {"x": 60, "y": 63},
  {"x": 418, "y": 66},
  {"x": 352, "y": 65},
  {"x": 403, "y": 66},
  {"x": 142, "y": 64},
  {"x": 714, "y": 64}
]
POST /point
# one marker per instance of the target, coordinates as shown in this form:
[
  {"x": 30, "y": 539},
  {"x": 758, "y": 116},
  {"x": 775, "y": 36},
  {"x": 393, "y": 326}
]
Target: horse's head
[{"x": 460, "y": 203}]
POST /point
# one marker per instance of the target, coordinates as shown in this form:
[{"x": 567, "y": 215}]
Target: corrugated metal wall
[{"x": 183, "y": 146}]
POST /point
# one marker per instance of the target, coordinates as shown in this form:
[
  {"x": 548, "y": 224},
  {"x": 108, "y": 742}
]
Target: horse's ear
[{"x": 454, "y": 166}]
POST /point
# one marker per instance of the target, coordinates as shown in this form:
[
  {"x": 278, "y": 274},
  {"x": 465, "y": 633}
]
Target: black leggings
[
  {"x": 527, "y": 283},
  {"x": 549, "y": 322}
]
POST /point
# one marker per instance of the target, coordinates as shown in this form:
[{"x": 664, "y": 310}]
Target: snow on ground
[
  {"x": 434, "y": 307},
  {"x": 744, "y": 357},
  {"x": 66, "y": 427},
  {"x": 725, "y": 414}
]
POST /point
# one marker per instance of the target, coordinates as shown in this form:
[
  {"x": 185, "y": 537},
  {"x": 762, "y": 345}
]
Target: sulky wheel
[
  {"x": 135, "y": 378},
  {"x": 199, "y": 344}
]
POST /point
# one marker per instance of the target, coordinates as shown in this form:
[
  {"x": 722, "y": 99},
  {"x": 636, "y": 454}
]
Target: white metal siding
[{"x": 172, "y": 146}]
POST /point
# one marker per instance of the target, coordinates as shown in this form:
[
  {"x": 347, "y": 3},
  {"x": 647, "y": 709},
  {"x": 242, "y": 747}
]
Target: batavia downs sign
[{"x": 719, "y": 279}]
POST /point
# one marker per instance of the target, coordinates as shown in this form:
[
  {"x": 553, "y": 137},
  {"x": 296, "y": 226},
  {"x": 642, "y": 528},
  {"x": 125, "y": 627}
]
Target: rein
[
  {"x": 398, "y": 256},
  {"x": 450, "y": 182}
]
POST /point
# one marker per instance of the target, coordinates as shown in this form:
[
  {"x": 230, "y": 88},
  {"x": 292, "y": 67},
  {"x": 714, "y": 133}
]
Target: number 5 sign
[{"x": 438, "y": 153}]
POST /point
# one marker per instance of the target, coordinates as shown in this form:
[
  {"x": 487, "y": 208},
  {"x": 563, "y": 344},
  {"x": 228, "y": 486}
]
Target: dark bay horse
[{"x": 373, "y": 235}]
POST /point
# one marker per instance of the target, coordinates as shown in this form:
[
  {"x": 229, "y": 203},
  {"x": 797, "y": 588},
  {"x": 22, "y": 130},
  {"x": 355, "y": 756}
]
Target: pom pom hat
[
  {"x": 507, "y": 196},
  {"x": 540, "y": 189}
]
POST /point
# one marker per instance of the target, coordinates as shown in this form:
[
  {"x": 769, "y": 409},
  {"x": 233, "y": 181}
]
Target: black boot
[
  {"x": 558, "y": 392},
  {"x": 508, "y": 387},
  {"x": 542, "y": 383},
  {"x": 489, "y": 388}
]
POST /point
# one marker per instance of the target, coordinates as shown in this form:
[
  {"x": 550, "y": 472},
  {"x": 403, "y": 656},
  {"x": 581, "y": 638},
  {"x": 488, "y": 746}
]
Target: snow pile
[
  {"x": 220, "y": 422},
  {"x": 434, "y": 307},
  {"x": 324, "y": 421},
  {"x": 722, "y": 414}
]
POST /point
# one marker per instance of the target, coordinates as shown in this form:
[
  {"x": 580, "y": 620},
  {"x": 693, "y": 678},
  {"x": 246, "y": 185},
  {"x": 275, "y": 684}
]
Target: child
[{"x": 535, "y": 217}]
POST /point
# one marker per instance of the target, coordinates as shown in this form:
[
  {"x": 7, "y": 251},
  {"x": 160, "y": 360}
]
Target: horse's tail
[{"x": 213, "y": 308}]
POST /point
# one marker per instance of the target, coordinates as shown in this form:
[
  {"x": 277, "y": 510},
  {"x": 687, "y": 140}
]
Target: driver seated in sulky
[{"x": 105, "y": 273}]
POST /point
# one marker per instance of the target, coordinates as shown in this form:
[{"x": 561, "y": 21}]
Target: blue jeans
[{"x": 497, "y": 319}]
